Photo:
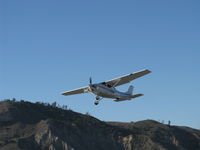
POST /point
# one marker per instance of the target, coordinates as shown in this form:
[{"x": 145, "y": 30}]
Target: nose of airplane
[{"x": 92, "y": 87}]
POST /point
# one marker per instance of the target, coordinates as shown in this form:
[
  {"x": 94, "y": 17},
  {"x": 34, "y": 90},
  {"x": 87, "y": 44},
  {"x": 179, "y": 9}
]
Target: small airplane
[{"x": 107, "y": 89}]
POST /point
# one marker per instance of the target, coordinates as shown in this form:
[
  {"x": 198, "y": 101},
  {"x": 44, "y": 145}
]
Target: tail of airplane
[{"x": 130, "y": 90}]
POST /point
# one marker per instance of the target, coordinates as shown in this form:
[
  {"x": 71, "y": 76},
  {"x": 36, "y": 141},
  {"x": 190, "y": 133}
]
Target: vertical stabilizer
[{"x": 130, "y": 90}]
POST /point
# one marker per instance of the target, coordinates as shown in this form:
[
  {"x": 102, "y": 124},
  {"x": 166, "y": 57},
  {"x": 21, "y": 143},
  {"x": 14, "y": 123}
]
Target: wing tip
[
  {"x": 147, "y": 70},
  {"x": 141, "y": 94},
  {"x": 62, "y": 93}
]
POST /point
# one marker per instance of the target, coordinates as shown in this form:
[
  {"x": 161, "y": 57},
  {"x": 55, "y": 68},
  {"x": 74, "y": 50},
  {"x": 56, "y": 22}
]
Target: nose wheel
[{"x": 98, "y": 98}]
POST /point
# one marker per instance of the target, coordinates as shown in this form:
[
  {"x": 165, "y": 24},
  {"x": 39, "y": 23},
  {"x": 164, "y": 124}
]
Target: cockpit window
[
  {"x": 108, "y": 85},
  {"x": 104, "y": 83}
]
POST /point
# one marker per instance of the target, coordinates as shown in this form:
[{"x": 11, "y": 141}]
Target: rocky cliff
[{"x": 34, "y": 126}]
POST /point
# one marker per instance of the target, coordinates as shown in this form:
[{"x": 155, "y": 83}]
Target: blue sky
[{"x": 48, "y": 46}]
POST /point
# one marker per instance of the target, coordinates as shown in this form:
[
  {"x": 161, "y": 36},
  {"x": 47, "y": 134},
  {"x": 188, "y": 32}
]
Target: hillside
[{"x": 34, "y": 126}]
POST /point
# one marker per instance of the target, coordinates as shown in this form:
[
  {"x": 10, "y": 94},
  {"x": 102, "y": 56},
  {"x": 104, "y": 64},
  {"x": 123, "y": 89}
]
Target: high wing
[
  {"x": 127, "y": 78},
  {"x": 77, "y": 91}
]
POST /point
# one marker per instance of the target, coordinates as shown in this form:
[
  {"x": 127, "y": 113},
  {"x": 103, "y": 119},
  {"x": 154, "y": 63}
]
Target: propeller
[
  {"x": 90, "y": 81},
  {"x": 92, "y": 86}
]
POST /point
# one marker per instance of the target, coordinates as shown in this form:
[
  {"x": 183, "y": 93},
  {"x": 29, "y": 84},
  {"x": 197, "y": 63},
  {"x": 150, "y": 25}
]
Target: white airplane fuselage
[
  {"x": 108, "y": 92},
  {"x": 107, "y": 89}
]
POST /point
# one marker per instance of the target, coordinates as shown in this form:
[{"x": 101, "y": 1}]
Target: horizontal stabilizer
[
  {"x": 136, "y": 95},
  {"x": 129, "y": 98}
]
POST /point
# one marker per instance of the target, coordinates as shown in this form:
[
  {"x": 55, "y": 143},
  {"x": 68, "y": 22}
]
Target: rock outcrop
[{"x": 34, "y": 126}]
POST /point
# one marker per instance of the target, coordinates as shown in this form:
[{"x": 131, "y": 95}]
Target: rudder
[{"x": 130, "y": 90}]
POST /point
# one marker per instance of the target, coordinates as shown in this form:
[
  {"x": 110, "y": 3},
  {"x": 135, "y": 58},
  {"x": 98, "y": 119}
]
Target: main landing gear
[
  {"x": 98, "y": 98},
  {"x": 96, "y": 102}
]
